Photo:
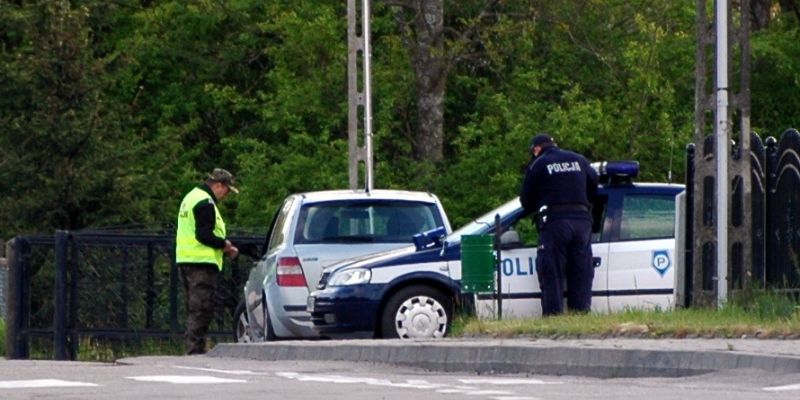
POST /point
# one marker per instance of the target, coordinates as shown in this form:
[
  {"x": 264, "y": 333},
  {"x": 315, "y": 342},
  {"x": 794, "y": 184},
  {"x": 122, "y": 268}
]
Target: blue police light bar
[{"x": 617, "y": 171}]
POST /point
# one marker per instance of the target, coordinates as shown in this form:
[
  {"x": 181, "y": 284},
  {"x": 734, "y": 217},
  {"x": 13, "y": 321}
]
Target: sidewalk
[{"x": 603, "y": 358}]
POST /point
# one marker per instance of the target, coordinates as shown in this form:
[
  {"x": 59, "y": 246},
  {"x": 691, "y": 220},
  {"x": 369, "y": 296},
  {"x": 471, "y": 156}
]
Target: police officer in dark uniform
[{"x": 558, "y": 190}]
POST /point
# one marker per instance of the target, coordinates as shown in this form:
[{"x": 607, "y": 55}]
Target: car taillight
[{"x": 290, "y": 272}]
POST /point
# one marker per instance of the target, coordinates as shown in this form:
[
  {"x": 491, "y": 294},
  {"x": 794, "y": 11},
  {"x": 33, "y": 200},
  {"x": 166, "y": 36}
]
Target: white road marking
[
  {"x": 453, "y": 391},
  {"x": 474, "y": 392},
  {"x": 423, "y": 384},
  {"x": 184, "y": 379},
  {"x": 413, "y": 384},
  {"x": 220, "y": 371},
  {"x": 506, "y": 381},
  {"x": 42, "y": 383},
  {"x": 514, "y": 398},
  {"x": 784, "y": 388},
  {"x": 488, "y": 393}
]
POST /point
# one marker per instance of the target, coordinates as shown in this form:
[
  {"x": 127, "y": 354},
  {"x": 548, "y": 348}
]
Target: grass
[
  {"x": 111, "y": 350},
  {"x": 758, "y": 315}
]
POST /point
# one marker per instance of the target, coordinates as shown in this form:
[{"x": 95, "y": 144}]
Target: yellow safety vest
[{"x": 187, "y": 248}]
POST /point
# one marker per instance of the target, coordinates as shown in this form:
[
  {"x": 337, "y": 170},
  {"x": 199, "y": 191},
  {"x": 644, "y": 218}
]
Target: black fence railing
[
  {"x": 775, "y": 212},
  {"x": 108, "y": 285}
]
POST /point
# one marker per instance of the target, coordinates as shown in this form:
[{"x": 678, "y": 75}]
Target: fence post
[
  {"x": 3, "y": 279},
  {"x": 173, "y": 293},
  {"x": 688, "y": 250},
  {"x": 18, "y": 305},
  {"x": 759, "y": 234},
  {"x": 72, "y": 305},
  {"x": 771, "y": 234},
  {"x": 498, "y": 266},
  {"x": 60, "y": 296},
  {"x": 122, "y": 316},
  {"x": 150, "y": 297}
]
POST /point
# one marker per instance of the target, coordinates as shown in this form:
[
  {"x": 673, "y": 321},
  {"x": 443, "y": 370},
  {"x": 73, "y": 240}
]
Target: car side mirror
[{"x": 430, "y": 238}]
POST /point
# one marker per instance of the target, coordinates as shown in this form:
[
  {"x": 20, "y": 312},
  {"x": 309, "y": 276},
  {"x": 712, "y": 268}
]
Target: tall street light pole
[
  {"x": 722, "y": 135},
  {"x": 359, "y": 135}
]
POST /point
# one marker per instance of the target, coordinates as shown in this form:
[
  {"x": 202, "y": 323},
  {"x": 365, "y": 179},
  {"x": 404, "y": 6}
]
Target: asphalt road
[{"x": 212, "y": 378}]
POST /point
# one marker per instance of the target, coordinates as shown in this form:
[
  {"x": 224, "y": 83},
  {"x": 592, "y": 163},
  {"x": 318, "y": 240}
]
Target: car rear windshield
[{"x": 365, "y": 221}]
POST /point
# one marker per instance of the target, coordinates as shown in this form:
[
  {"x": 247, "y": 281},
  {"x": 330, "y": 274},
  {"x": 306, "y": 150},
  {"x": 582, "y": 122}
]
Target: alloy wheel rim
[
  {"x": 421, "y": 317},
  {"x": 242, "y": 335}
]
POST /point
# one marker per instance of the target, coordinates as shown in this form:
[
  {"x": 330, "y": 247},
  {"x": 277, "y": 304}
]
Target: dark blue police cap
[{"x": 541, "y": 139}]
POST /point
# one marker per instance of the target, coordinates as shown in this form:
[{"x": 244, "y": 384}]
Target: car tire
[
  {"x": 241, "y": 325},
  {"x": 417, "y": 312},
  {"x": 269, "y": 332}
]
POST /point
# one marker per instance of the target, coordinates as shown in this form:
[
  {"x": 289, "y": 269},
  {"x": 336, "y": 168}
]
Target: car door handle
[{"x": 597, "y": 261}]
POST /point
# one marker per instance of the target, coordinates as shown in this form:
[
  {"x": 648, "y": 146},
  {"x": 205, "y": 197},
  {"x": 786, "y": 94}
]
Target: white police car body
[{"x": 413, "y": 292}]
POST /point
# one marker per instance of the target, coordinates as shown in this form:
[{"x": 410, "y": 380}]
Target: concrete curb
[{"x": 482, "y": 357}]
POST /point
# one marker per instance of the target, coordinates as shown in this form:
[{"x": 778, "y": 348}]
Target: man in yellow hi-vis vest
[{"x": 200, "y": 244}]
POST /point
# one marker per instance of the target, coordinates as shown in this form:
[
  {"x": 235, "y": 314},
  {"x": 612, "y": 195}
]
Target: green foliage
[
  {"x": 612, "y": 82},
  {"x": 112, "y": 350},
  {"x": 776, "y": 75},
  {"x": 765, "y": 304},
  {"x": 67, "y": 159},
  {"x": 111, "y": 111}
]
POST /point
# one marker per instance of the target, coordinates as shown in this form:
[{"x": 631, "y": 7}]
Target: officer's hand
[{"x": 230, "y": 250}]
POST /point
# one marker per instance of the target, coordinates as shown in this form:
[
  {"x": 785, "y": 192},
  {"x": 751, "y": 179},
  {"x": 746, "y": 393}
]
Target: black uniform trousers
[
  {"x": 565, "y": 256},
  {"x": 199, "y": 285}
]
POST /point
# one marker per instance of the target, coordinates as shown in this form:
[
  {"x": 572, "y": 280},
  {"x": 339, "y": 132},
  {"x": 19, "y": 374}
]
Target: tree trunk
[
  {"x": 422, "y": 22},
  {"x": 760, "y": 13},
  {"x": 431, "y": 72}
]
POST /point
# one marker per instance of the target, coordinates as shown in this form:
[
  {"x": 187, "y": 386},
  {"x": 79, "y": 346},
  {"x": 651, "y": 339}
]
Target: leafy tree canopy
[{"x": 111, "y": 111}]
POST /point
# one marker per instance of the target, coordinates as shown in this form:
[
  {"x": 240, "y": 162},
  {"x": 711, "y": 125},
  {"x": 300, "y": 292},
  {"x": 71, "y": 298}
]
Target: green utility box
[{"x": 477, "y": 264}]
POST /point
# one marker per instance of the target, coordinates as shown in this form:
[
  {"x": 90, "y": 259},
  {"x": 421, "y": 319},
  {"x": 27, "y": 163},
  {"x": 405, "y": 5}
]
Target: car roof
[
  {"x": 657, "y": 185},
  {"x": 648, "y": 186},
  {"x": 375, "y": 194}
]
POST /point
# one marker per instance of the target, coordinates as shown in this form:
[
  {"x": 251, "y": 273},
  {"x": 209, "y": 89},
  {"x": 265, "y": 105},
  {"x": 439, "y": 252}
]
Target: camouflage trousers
[{"x": 199, "y": 285}]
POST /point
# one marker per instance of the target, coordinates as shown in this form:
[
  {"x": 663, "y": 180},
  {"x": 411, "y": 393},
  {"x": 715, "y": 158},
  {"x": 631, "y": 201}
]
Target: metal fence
[
  {"x": 3, "y": 274},
  {"x": 774, "y": 201},
  {"x": 107, "y": 286}
]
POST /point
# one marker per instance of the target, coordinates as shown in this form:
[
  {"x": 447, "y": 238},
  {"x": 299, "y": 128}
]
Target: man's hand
[{"x": 230, "y": 250}]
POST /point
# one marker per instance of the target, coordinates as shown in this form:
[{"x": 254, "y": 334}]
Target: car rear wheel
[
  {"x": 241, "y": 326},
  {"x": 417, "y": 312},
  {"x": 269, "y": 332}
]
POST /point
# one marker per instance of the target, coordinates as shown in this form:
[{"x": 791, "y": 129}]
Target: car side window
[
  {"x": 647, "y": 216},
  {"x": 599, "y": 210},
  {"x": 280, "y": 228}
]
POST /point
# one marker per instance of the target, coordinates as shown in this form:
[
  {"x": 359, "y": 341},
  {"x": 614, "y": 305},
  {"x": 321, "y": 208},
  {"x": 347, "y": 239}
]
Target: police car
[{"x": 413, "y": 292}]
